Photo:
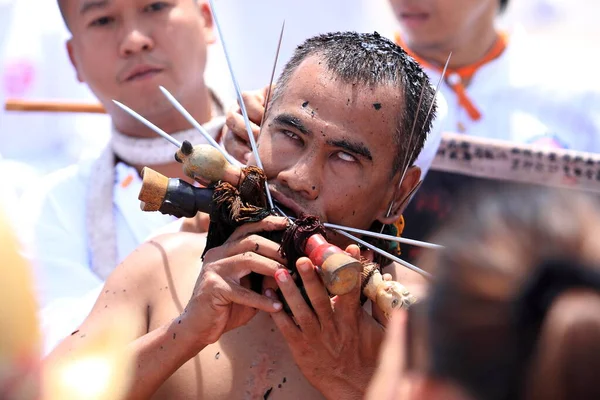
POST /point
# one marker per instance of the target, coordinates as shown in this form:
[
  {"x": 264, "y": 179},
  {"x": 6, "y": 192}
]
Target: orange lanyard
[{"x": 455, "y": 77}]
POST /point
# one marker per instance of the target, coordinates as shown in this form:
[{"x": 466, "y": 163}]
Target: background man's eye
[
  {"x": 101, "y": 21},
  {"x": 156, "y": 6}
]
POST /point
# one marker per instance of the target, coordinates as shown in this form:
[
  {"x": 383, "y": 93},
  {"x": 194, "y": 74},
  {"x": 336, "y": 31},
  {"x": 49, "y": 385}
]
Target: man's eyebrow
[
  {"x": 356, "y": 148},
  {"x": 292, "y": 121},
  {"x": 93, "y": 4}
]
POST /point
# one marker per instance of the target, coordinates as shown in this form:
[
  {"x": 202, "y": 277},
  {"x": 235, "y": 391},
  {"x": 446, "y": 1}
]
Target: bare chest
[{"x": 251, "y": 362}]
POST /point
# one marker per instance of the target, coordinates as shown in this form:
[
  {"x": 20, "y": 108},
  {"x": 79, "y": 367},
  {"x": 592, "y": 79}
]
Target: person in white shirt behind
[
  {"x": 497, "y": 85},
  {"x": 86, "y": 218}
]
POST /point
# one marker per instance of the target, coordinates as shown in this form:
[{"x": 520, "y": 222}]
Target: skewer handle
[
  {"x": 172, "y": 196},
  {"x": 52, "y": 106},
  {"x": 205, "y": 164},
  {"x": 339, "y": 270}
]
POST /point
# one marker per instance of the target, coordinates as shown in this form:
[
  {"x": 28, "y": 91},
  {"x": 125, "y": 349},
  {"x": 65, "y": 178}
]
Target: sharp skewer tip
[
  {"x": 407, "y": 160},
  {"x": 148, "y": 124},
  {"x": 239, "y": 97},
  {"x": 391, "y": 238}
]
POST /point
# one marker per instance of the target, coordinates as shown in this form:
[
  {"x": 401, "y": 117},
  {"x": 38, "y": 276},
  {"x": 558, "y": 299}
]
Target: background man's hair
[
  {"x": 503, "y": 5},
  {"x": 61, "y": 7},
  {"x": 370, "y": 59}
]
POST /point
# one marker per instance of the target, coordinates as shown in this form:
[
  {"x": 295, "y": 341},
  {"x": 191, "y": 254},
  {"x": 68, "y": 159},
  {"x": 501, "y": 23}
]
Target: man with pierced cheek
[{"x": 333, "y": 145}]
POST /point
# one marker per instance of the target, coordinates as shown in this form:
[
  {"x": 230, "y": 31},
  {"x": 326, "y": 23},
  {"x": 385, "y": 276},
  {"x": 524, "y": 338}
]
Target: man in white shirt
[
  {"x": 86, "y": 218},
  {"x": 497, "y": 85}
]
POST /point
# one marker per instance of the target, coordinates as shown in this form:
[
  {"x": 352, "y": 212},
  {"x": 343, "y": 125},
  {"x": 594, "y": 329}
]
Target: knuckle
[
  {"x": 231, "y": 121},
  {"x": 212, "y": 279},
  {"x": 248, "y": 243}
]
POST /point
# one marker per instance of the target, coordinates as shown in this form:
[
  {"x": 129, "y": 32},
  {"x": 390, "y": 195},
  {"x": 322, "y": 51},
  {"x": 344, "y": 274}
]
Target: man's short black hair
[
  {"x": 370, "y": 59},
  {"x": 61, "y": 8},
  {"x": 503, "y": 5}
]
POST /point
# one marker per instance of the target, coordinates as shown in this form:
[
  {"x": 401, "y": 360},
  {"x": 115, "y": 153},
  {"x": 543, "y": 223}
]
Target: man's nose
[
  {"x": 303, "y": 178},
  {"x": 136, "y": 41}
]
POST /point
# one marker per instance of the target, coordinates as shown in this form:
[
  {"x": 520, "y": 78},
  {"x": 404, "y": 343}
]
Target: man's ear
[
  {"x": 209, "y": 31},
  {"x": 71, "y": 53},
  {"x": 401, "y": 196}
]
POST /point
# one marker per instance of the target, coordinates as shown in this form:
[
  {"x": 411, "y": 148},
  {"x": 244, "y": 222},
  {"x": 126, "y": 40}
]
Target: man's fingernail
[
  {"x": 277, "y": 305},
  {"x": 304, "y": 266},
  {"x": 281, "y": 275},
  {"x": 269, "y": 293}
]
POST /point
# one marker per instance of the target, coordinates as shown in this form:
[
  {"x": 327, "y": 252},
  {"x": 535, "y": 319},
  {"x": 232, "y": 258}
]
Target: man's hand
[
  {"x": 235, "y": 136},
  {"x": 336, "y": 345},
  {"x": 222, "y": 300}
]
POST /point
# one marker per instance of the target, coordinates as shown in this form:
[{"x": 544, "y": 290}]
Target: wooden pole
[{"x": 52, "y": 106}]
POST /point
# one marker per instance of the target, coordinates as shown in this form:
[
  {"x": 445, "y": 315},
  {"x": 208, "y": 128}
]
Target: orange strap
[{"x": 456, "y": 76}]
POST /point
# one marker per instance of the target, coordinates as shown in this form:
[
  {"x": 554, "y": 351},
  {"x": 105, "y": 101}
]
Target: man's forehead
[
  {"x": 313, "y": 76},
  {"x": 316, "y": 90}
]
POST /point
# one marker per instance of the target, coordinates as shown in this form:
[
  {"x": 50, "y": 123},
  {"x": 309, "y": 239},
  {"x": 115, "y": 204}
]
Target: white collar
[{"x": 100, "y": 215}]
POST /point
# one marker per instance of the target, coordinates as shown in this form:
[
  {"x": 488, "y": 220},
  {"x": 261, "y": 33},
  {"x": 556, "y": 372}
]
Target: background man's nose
[{"x": 136, "y": 42}]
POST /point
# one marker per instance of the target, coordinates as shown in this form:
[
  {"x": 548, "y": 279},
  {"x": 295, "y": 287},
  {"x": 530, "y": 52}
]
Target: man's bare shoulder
[{"x": 138, "y": 283}]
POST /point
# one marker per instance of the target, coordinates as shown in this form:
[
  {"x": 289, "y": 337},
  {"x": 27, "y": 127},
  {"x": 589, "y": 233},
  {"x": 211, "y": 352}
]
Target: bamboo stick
[{"x": 52, "y": 106}]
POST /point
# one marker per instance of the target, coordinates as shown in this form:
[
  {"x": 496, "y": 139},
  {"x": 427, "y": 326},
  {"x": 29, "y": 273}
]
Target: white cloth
[
  {"x": 526, "y": 98},
  {"x": 59, "y": 237}
]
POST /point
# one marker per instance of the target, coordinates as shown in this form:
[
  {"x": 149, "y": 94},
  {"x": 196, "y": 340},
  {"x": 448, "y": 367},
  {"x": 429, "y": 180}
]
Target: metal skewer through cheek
[
  {"x": 240, "y": 100},
  {"x": 387, "y": 255},
  {"x": 372, "y": 247}
]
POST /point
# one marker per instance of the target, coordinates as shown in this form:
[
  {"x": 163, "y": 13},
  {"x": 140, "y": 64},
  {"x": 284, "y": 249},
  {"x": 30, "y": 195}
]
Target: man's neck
[
  {"x": 170, "y": 121},
  {"x": 168, "y": 118},
  {"x": 466, "y": 50}
]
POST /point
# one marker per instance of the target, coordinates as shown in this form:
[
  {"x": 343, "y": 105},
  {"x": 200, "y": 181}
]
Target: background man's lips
[
  {"x": 414, "y": 15},
  {"x": 141, "y": 71}
]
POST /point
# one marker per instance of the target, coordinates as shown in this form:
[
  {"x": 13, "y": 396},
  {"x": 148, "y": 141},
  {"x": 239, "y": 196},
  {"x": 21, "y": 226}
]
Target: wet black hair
[{"x": 370, "y": 59}]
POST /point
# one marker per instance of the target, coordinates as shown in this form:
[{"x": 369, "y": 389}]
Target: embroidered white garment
[{"x": 101, "y": 229}]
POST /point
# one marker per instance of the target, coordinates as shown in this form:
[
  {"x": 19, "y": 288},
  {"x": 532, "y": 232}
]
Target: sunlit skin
[
  {"x": 197, "y": 337},
  {"x": 334, "y": 161},
  {"x": 434, "y": 28},
  {"x": 164, "y": 41}
]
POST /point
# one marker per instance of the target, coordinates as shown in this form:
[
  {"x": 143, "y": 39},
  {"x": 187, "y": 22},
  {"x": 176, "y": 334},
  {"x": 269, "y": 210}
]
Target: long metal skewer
[
  {"x": 387, "y": 255},
  {"x": 268, "y": 99},
  {"x": 391, "y": 238},
  {"x": 406, "y": 162},
  {"x": 148, "y": 124},
  {"x": 240, "y": 100},
  {"x": 199, "y": 127},
  {"x": 437, "y": 88}
]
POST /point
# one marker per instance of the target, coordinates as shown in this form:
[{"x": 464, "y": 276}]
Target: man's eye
[
  {"x": 156, "y": 6},
  {"x": 102, "y": 21},
  {"x": 291, "y": 135},
  {"x": 346, "y": 156}
]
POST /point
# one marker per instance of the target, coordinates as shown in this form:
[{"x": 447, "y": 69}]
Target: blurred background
[{"x": 34, "y": 63}]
